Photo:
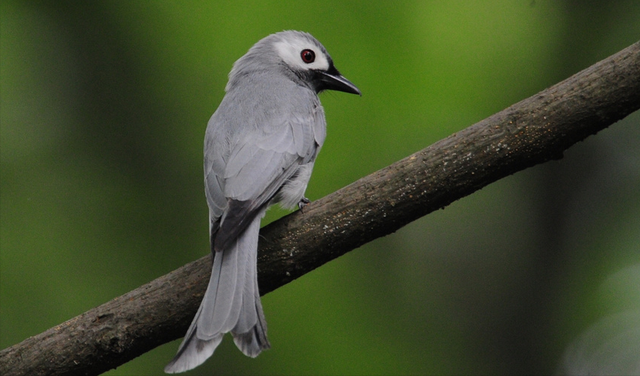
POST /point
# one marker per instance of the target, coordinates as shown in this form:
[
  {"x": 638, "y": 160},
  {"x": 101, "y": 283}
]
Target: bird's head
[{"x": 301, "y": 56}]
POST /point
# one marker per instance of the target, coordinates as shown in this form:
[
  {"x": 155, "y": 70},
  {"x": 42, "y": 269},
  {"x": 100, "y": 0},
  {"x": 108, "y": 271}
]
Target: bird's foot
[{"x": 303, "y": 202}]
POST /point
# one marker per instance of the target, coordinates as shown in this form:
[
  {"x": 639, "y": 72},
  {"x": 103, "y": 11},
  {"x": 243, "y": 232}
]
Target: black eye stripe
[{"x": 308, "y": 56}]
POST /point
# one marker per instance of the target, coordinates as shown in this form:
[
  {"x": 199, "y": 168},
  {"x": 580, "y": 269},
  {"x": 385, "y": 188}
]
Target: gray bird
[{"x": 259, "y": 149}]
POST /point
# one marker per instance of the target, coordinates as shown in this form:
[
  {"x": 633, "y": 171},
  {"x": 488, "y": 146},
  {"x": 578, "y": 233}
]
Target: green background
[{"x": 103, "y": 111}]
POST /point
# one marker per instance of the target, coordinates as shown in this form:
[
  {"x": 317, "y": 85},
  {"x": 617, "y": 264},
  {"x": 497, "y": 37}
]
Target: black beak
[{"x": 333, "y": 80}]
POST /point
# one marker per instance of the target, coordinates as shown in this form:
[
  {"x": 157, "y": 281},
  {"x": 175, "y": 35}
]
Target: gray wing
[{"x": 244, "y": 170}]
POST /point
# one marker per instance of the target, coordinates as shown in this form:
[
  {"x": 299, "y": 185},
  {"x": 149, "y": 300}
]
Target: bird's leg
[{"x": 303, "y": 202}]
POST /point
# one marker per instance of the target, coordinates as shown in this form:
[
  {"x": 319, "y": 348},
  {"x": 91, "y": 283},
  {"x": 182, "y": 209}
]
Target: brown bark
[{"x": 530, "y": 132}]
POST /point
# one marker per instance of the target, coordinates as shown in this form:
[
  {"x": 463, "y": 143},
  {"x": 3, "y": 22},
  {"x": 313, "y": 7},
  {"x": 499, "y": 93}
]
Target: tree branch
[{"x": 530, "y": 132}]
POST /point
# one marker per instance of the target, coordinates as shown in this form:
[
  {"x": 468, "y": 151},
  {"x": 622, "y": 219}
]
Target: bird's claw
[{"x": 303, "y": 202}]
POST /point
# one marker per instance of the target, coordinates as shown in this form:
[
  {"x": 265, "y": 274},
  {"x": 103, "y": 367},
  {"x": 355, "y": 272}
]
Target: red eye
[{"x": 308, "y": 56}]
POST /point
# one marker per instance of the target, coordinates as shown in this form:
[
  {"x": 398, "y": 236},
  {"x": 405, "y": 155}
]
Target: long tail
[{"x": 231, "y": 304}]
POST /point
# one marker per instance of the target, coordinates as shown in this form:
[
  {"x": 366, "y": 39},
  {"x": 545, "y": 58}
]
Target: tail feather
[
  {"x": 250, "y": 316},
  {"x": 230, "y": 304},
  {"x": 252, "y": 342},
  {"x": 225, "y": 301},
  {"x": 249, "y": 334}
]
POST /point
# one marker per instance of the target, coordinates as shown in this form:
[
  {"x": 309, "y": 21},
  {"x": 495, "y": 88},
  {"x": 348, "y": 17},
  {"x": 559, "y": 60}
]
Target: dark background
[{"x": 103, "y": 110}]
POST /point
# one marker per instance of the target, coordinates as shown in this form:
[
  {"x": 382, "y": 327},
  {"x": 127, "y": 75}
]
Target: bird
[{"x": 259, "y": 149}]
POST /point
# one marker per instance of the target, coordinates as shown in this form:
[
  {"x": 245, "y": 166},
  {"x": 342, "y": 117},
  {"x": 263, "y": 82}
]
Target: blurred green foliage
[{"x": 103, "y": 109}]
